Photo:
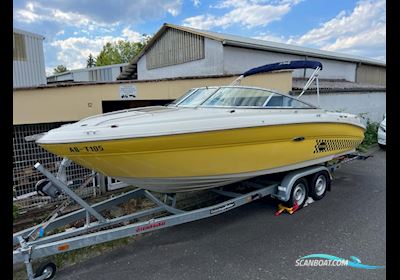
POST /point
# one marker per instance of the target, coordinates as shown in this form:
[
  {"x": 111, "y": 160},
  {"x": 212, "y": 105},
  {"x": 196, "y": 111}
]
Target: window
[
  {"x": 282, "y": 101},
  {"x": 231, "y": 96},
  {"x": 19, "y": 49},
  {"x": 176, "y": 101},
  {"x": 197, "y": 97},
  {"x": 275, "y": 101}
]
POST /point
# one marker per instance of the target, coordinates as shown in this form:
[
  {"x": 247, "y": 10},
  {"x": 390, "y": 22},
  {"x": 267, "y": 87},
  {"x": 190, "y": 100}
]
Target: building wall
[
  {"x": 238, "y": 60},
  {"x": 369, "y": 74},
  {"x": 115, "y": 71},
  {"x": 222, "y": 59},
  {"x": 212, "y": 64},
  {"x": 334, "y": 69},
  {"x": 81, "y": 76},
  {"x": 371, "y": 103},
  {"x": 101, "y": 73},
  {"x": 30, "y": 70},
  {"x": 174, "y": 47},
  {"x": 61, "y": 78},
  {"x": 72, "y": 103}
]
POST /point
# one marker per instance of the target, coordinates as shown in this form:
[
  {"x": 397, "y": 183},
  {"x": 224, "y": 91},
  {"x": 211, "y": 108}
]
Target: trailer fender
[{"x": 285, "y": 187}]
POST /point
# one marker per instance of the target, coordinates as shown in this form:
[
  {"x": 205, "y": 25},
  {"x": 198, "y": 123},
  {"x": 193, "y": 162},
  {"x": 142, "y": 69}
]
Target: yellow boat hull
[{"x": 213, "y": 154}]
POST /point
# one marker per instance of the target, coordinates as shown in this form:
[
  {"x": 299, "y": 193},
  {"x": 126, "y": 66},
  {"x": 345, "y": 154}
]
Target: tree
[
  {"x": 60, "y": 69},
  {"x": 91, "y": 62},
  {"x": 120, "y": 52}
]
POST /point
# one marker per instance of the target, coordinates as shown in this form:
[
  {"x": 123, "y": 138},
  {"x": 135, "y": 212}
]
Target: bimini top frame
[{"x": 287, "y": 65}]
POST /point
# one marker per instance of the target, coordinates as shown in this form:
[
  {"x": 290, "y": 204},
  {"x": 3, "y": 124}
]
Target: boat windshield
[
  {"x": 239, "y": 97},
  {"x": 194, "y": 97}
]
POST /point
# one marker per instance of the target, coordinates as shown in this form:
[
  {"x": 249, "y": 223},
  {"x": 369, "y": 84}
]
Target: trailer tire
[
  {"x": 299, "y": 193},
  {"x": 40, "y": 185},
  {"x": 51, "y": 267},
  {"x": 320, "y": 183}
]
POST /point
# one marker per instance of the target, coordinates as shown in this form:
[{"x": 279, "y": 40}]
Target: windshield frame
[
  {"x": 311, "y": 106},
  {"x": 216, "y": 88}
]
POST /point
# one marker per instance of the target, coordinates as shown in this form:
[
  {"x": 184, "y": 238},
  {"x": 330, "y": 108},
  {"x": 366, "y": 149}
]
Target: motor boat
[{"x": 211, "y": 136}]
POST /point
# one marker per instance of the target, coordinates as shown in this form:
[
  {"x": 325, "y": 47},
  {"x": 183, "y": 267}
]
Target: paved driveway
[{"x": 251, "y": 243}]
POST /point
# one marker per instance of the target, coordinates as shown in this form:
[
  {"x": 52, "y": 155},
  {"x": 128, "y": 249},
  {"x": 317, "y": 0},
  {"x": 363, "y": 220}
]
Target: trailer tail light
[{"x": 63, "y": 247}]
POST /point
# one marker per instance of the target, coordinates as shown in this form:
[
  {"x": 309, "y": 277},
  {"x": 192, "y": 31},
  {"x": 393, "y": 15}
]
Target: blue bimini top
[{"x": 295, "y": 64}]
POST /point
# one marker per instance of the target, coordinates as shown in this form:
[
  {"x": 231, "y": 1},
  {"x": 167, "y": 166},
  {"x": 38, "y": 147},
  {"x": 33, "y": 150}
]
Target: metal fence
[{"x": 25, "y": 176}]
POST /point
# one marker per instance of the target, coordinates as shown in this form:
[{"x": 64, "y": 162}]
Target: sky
[{"x": 75, "y": 28}]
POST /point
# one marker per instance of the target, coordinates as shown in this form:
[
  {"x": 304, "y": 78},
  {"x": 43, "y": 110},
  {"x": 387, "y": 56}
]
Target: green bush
[{"x": 370, "y": 134}]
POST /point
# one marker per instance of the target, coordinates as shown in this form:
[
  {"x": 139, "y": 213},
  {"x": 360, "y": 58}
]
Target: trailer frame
[{"x": 32, "y": 243}]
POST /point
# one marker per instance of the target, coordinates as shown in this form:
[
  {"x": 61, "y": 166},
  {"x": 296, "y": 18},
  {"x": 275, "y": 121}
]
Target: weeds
[
  {"x": 74, "y": 256},
  {"x": 370, "y": 134},
  {"x": 15, "y": 212}
]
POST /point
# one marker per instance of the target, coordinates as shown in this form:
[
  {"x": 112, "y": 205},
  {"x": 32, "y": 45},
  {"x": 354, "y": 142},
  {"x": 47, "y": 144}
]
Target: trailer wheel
[
  {"x": 46, "y": 268},
  {"x": 299, "y": 193},
  {"x": 320, "y": 183},
  {"x": 40, "y": 185}
]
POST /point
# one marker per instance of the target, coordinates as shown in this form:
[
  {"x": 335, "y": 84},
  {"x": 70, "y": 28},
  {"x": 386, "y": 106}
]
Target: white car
[{"x": 382, "y": 133}]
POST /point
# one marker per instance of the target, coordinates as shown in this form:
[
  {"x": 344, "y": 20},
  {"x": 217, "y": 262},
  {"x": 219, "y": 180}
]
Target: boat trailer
[{"x": 39, "y": 241}]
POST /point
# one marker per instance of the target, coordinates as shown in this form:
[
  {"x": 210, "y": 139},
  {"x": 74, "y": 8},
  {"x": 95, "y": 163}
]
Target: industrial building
[
  {"x": 178, "y": 51},
  {"x": 93, "y": 74},
  {"x": 28, "y": 59}
]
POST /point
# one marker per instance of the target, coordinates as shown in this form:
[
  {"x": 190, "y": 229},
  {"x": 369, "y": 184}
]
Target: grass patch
[{"x": 72, "y": 257}]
